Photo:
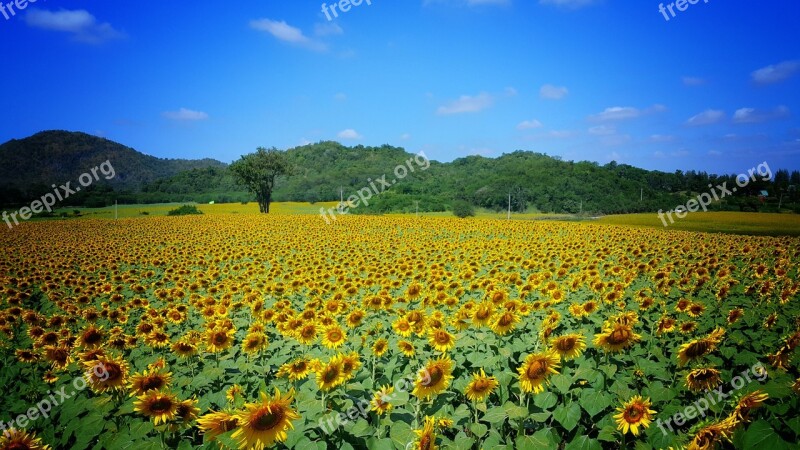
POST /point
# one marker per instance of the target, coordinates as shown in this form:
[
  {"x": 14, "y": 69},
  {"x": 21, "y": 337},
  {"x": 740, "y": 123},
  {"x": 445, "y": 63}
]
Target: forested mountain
[{"x": 327, "y": 170}]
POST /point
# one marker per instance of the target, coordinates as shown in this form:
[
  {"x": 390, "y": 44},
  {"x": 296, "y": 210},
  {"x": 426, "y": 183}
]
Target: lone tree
[{"x": 258, "y": 172}]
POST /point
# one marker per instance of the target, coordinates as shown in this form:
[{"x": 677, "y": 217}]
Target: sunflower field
[{"x": 280, "y": 331}]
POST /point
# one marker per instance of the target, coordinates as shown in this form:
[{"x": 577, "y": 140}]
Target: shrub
[
  {"x": 185, "y": 210},
  {"x": 463, "y": 209}
]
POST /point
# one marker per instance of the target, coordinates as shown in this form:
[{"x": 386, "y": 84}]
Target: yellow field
[
  {"x": 722, "y": 222},
  {"x": 247, "y": 330}
]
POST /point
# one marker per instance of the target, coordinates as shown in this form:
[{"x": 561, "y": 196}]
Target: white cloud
[
  {"x": 661, "y": 138},
  {"x": 707, "y": 117},
  {"x": 467, "y": 104},
  {"x": 286, "y": 33},
  {"x": 568, "y": 4},
  {"x": 511, "y": 92},
  {"x": 529, "y": 124},
  {"x": 185, "y": 115},
  {"x": 693, "y": 81},
  {"x": 82, "y": 25},
  {"x": 405, "y": 136},
  {"x": 602, "y": 130},
  {"x": 349, "y": 134},
  {"x": 617, "y": 113},
  {"x": 340, "y": 97},
  {"x": 328, "y": 29},
  {"x": 752, "y": 115},
  {"x": 550, "y": 92},
  {"x": 714, "y": 153},
  {"x": 776, "y": 73}
]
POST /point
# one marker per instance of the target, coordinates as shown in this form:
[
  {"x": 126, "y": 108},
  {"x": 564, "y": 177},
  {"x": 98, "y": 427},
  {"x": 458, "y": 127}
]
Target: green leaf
[
  {"x": 478, "y": 429},
  {"x": 594, "y": 402},
  {"x": 541, "y": 440},
  {"x": 401, "y": 434},
  {"x": 561, "y": 382},
  {"x": 495, "y": 416},
  {"x": 568, "y": 415},
  {"x": 545, "y": 400},
  {"x": 761, "y": 436},
  {"x": 584, "y": 443}
]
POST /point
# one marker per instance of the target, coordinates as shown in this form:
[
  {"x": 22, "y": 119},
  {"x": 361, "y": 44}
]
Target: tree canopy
[{"x": 259, "y": 171}]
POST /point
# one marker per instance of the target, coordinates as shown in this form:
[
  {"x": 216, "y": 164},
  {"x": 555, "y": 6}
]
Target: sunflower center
[
  {"x": 442, "y": 337},
  {"x": 93, "y": 337},
  {"x": 566, "y": 344},
  {"x": 152, "y": 383},
  {"x": 537, "y": 369},
  {"x": 335, "y": 336},
  {"x": 482, "y": 314},
  {"x": 113, "y": 372},
  {"x": 434, "y": 376},
  {"x": 161, "y": 405},
  {"x": 506, "y": 320},
  {"x": 220, "y": 338},
  {"x": 634, "y": 414},
  {"x": 619, "y": 336},
  {"x": 330, "y": 374},
  {"x": 308, "y": 332},
  {"x": 481, "y": 385},
  {"x": 268, "y": 419},
  {"x": 697, "y": 349}
]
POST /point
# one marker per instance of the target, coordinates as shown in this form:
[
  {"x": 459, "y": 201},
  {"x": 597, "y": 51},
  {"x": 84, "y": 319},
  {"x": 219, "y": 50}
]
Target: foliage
[
  {"x": 463, "y": 209},
  {"x": 185, "y": 210},
  {"x": 259, "y": 172},
  {"x": 132, "y": 293}
]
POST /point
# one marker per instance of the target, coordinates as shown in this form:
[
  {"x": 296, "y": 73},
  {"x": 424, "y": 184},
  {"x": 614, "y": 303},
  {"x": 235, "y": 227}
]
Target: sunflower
[
  {"x": 106, "y": 374},
  {"x": 433, "y": 378},
  {"x": 59, "y": 357},
  {"x": 158, "y": 405},
  {"x": 149, "y": 380},
  {"x": 26, "y": 356},
  {"x": 295, "y": 370},
  {"x": 254, "y": 342},
  {"x": 666, "y": 324},
  {"x": 350, "y": 364},
  {"x": 633, "y": 414},
  {"x": 568, "y": 346},
  {"x": 215, "y": 423},
  {"x": 50, "y": 377},
  {"x": 699, "y": 348},
  {"x": 796, "y": 386},
  {"x": 380, "y": 347},
  {"x": 91, "y": 337},
  {"x": 307, "y": 334},
  {"x": 441, "y": 340},
  {"x": 535, "y": 370},
  {"x": 709, "y": 436},
  {"x": 333, "y": 337},
  {"x": 734, "y": 315},
  {"x": 687, "y": 327},
  {"x": 14, "y": 439},
  {"x": 184, "y": 349},
  {"x": 503, "y": 323},
  {"x": 234, "y": 393},
  {"x": 482, "y": 314},
  {"x": 330, "y": 375},
  {"x": 219, "y": 339},
  {"x": 703, "y": 379},
  {"x": 402, "y": 327},
  {"x": 696, "y": 309},
  {"x": 617, "y": 338},
  {"x": 264, "y": 423},
  {"x": 748, "y": 403},
  {"x": 407, "y": 348},
  {"x": 380, "y": 400},
  {"x": 426, "y": 437},
  {"x": 480, "y": 387},
  {"x": 185, "y": 415}
]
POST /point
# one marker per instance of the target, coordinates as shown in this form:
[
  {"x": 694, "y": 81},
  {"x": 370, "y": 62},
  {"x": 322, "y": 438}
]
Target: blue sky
[{"x": 715, "y": 88}]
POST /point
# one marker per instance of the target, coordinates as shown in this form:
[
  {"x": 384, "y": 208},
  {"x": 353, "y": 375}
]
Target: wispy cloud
[
  {"x": 350, "y": 135},
  {"x": 284, "y": 32},
  {"x": 467, "y": 104},
  {"x": 776, "y": 73},
  {"x": 529, "y": 124},
  {"x": 328, "y": 29},
  {"x": 79, "y": 23},
  {"x": 185, "y": 115},
  {"x": 602, "y": 130},
  {"x": 753, "y": 115},
  {"x": 625, "y": 113},
  {"x": 707, "y": 117},
  {"x": 551, "y": 92}
]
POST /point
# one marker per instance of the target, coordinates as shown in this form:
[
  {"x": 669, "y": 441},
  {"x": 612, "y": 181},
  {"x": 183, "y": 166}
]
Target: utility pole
[
  {"x": 416, "y": 207},
  {"x": 641, "y": 195},
  {"x": 116, "y": 216},
  {"x": 509, "y": 205},
  {"x": 341, "y": 195},
  {"x": 580, "y": 211}
]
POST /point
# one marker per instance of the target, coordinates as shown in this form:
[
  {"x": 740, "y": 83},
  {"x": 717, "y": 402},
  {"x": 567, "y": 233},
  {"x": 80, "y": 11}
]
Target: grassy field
[{"x": 759, "y": 224}]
